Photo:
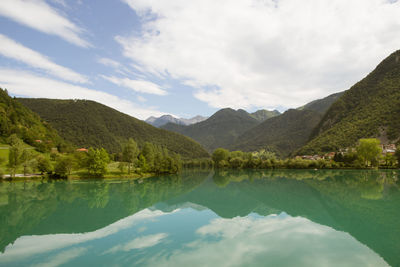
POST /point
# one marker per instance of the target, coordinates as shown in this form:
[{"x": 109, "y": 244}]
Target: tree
[
  {"x": 121, "y": 167},
  {"x": 61, "y": 169},
  {"x": 236, "y": 162},
  {"x": 397, "y": 154},
  {"x": 97, "y": 160},
  {"x": 26, "y": 160},
  {"x": 219, "y": 155},
  {"x": 130, "y": 154},
  {"x": 265, "y": 155},
  {"x": 148, "y": 152},
  {"x": 369, "y": 150},
  {"x": 390, "y": 160},
  {"x": 142, "y": 164},
  {"x": 14, "y": 154},
  {"x": 43, "y": 164}
]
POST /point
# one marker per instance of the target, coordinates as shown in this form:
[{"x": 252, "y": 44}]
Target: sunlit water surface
[{"x": 202, "y": 218}]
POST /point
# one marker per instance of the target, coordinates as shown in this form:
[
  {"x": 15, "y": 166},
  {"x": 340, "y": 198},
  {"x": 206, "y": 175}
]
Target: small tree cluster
[
  {"x": 151, "y": 159},
  {"x": 97, "y": 161}
]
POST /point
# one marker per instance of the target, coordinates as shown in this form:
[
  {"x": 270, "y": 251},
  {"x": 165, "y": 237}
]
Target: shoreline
[{"x": 74, "y": 177}]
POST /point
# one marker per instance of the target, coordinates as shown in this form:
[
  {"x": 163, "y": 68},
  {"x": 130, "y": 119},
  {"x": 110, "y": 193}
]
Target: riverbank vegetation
[
  {"x": 367, "y": 154},
  {"x": 134, "y": 161},
  {"x": 85, "y": 163}
]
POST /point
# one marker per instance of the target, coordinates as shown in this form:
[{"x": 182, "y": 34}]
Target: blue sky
[{"x": 153, "y": 57}]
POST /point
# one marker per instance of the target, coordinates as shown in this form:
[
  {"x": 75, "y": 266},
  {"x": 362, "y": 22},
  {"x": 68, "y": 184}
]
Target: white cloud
[
  {"x": 38, "y": 15},
  {"x": 11, "y": 49},
  {"x": 140, "y": 86},
  {"x": 63, "y": 257},
  {"x": 109, "y": 62},
  {"x": 141, "y": 99},
  {"x": 263, "y": 53},
  {"x": 27, "y": 246},
  {"x": 25, "y": 84},
  {"x": 140, "y": 243},
  {"x": 268, "y": 241}
]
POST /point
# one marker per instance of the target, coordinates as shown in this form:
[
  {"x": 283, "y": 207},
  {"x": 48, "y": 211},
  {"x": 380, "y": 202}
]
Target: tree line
[
  {"x": 367, "y": 153},
  {"x": 95, "y": 162}
]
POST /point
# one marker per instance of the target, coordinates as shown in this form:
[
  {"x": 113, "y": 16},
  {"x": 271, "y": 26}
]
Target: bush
[{"x": 43, "y": 164}]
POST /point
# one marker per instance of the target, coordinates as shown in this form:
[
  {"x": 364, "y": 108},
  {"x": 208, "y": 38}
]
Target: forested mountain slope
[
  {"x": 282, "y": 134},
  {"x": 88, "y": 123},
  {"x": 322, "y": 105},
  {"x": 371, "y": 108},
  {"x": 17, "y": 119},
  {"x": 263, "y": 114},
  {"x": 220, "y": 130}
]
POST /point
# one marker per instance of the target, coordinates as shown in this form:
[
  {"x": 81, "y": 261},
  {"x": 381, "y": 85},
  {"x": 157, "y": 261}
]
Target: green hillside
[
  {"x": 263, "y": 114},
  {"x": 322, "y": 105},
  {"x": 220, "y": 130},
  {"x": 282, "y": 134},
  {"x": 371, "y": 108},
  {"x": 15, "y": 118},
  {"x": 87, "y": 123}
]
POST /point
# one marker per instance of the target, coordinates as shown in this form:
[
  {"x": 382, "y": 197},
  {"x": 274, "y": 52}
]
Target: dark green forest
[
  {"x": 282, "y": 134},
  {"x": 17, "y": 119},
  {"x": 371, "y": 108},
  {"x": 322, "y": 105},
  {"x": 89, "y": 124}
]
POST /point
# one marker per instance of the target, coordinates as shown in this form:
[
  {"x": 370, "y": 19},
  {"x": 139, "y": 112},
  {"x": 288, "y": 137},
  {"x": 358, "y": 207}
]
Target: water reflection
[
  {"x": 269, "y": 241},
  {"x": 302, "y": 218}
]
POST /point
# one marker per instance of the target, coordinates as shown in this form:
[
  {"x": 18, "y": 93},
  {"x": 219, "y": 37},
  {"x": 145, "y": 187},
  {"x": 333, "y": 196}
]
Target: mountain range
[
  {"x": 160, "y": 121},
  {"x": 220, "y": 130},
  {"x": 259, "y": 115},
  {"x": 370, "y": 108},
  {"x": 263, "y": 129}
]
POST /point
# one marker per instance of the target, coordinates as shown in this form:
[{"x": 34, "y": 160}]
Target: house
[
  {"x": 388, "y": 149},
  {"x": 329, "y": 155},
  {"x": 38, "y": 141},
  {"x": 82, "y": 150}
]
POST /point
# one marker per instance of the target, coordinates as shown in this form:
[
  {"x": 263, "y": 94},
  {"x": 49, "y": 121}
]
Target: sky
[{"x": 186, "y": 58}]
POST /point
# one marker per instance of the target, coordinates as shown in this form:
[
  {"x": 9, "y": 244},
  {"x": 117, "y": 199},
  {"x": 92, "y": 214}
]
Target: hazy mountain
[
  {"x": 88, "y": 123},
  {"x": 371, "y": 108},
  {"x": 263, "y": 114},
  {"x": 193, "y": 120},
  {"x": 160, "y": 121},
  {"x": 220, "y": 130},
  {"x": 157, "y": 122}
]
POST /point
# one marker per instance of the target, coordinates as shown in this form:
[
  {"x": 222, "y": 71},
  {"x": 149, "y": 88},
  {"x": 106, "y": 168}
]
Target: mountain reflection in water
[{"x": 227, "y": 218}]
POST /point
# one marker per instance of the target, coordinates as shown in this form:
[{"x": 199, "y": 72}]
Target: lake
[{"x": 205, "y": 218}]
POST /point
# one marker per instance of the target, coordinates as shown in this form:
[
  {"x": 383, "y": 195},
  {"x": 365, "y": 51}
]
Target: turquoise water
[{"x": 230, "y": 218}]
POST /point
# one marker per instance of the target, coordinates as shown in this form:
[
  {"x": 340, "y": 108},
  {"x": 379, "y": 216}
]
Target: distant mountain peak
[
  {"x": 263, "y": 114},
  {"x": 165, "y": 119}
]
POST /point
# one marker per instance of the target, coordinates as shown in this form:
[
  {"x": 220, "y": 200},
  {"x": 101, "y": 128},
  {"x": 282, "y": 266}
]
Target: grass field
[
  {"x": 4, "y": 148},
  {"x": 3, "y": 155}
]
